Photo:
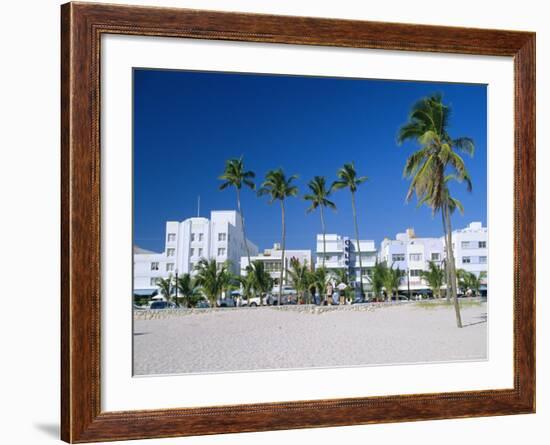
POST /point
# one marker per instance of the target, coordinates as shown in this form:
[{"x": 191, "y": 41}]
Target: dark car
[{"x": 161, "y": 305}]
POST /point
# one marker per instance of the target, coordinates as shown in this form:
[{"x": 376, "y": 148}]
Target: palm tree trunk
[
  {"x": 242, "y": 226},
  {"x": 358, "y": 244},
  {"x": 447, "y": 266},
  {"x": 283, "y": 235},
  {"x": 451, "y": 260},
  {"x": 324, "y": 240}
]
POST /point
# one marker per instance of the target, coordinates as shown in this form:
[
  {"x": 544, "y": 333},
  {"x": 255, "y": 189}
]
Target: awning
[{"x": 145, "y": 292}]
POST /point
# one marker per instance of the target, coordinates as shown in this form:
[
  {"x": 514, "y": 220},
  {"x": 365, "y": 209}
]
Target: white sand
[{"x": 270, "y": 338}]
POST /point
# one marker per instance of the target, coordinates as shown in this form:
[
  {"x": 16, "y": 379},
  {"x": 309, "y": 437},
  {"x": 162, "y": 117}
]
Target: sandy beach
[{"x": 240, "y": 339}]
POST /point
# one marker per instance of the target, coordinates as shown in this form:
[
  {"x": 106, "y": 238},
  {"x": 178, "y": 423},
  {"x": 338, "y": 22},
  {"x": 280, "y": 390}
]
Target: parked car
[
  {"x": 162, "y": 305},
  {"x": 202, "y": 304},
  {"x": 399, "y": 298},
  {"x": 227, "y": 302},
  {"x": 252, "y": 302}
]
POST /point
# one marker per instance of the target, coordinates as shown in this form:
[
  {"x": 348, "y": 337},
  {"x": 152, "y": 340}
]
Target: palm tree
[
  {"x": 279, "y": 188},
  {"x": 212, "y": 279},
  {"x": 187, "y": 289},
  {"x": 320, "y": 279},
  {"x": 428, "y": 126},
  {"x": 348, "y": 179},
  {"x": 319, "y": 199},
  {"x": 392, "y": 280},
  {"x": 434, "y": 277},
  {"x": 261, "y": 280},
  {"x": 165, "y": 286},
  {"x": 450, "y": 204},
  {"x": 247, "y": 284},
  {"x": 300, "y": 277},
  {"x": 469, "y": 281},
  {"x": 378, "y": 279},
  {"x": 235, "y": 175}
]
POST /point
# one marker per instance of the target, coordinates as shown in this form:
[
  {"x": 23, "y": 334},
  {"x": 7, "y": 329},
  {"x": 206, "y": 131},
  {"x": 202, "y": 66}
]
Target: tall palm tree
[
  {"x": 236, "y": 176},
  {"x": 300, "y": 277},
  {"x": 347, "y": 178},
  {"x": 434, "y": 276},
  {"x": 212, "y": 279},
  {"x": 186, "y": 288},
  {"x": 279, "y": 187},
  {"x": 319, "y": 199},
  {"x": 166, "y": 288},
  {"x": 448, "y": 206},
  {"x": 428, "y": 126}
]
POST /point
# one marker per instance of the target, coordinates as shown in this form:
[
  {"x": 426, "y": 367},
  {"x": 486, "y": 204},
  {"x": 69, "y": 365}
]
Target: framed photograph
[{"x": 274, "y": 222}]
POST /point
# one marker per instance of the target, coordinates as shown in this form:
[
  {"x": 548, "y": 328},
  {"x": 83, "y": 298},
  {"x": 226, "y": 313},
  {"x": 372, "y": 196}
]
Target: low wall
[{"x": 151, "y": 314}]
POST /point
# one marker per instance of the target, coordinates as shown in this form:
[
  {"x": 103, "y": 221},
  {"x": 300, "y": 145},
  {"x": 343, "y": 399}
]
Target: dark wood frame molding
[{"x": 82, "y": 25}]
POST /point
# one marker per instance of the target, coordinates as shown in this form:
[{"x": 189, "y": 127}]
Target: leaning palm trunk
[
  {"x": 451, "y": 261},
  {"x": 447, "y": 263},
  {"x": 358, "y": 244},
  {"x": 283, "y": 235},
  {"x": 324, "y": 240}
]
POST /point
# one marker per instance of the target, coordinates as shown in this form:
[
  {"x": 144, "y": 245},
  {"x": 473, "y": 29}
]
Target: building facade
[
  {"x": 412, "y": 254},
  {"x": 187, "y": 242},
  {"x": 470, "y": 248},
  {"x": 272, "y": 261},
  {"x": 342, "y": 253}
]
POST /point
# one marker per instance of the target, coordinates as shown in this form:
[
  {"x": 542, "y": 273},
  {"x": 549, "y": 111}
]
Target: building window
[
  {"x": 416, "y": 272},
  {"x": 171, "y": 237},
  {"x": 191, "y": 252},
  {"x": 169, "y": 267},
  {"x": 398, "y": 257},
  {"x": 483, "y": 259},
  {"x": 200, "y": 252},
  {"x": 154, "y": 266},
  {"x": 153, "y": 281},
  {"x": 465, "y": 244},
  {"x": 482, "y": 244},
  {"x": 200, "y": 236},
  {"x": 272, "y": 266},
  {"x": 221, "y": 251},
  {"x": 170, "y": 252},
  {"x": 415, "y": 257},
  {"x": 192, "y": 237},
  {"x": 436, "y": 256},
  {"x": 466, "y": 260},
  {"x": 222, "y": 236}
]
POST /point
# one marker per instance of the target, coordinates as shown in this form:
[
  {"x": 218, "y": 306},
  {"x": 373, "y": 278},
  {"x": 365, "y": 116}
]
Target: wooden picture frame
[{"x": 82, "y": 26}]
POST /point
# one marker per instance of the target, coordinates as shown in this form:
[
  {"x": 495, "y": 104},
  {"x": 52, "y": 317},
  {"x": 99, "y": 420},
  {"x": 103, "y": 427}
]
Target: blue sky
[{"x": 186, "y": 124}]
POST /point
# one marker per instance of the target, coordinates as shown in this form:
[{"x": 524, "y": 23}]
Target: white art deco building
[
  {"x": 272, "y": 260},
  {"x": 342, "y": 253},
  {"x": 412, "y": 254},
  {"x": 187, "y": 242}
]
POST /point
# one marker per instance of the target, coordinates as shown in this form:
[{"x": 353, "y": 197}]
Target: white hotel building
[
  {"x": 272, "y": 261},
  {"x": 189, "y": 241},
  {"x": 412, "y": 254},
  {"x": 342, "y": 253}
]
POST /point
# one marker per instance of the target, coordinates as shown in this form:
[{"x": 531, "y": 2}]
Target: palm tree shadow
[
  {"x": 482, "y": 319},
  {"x": 49, "y": 429}
]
